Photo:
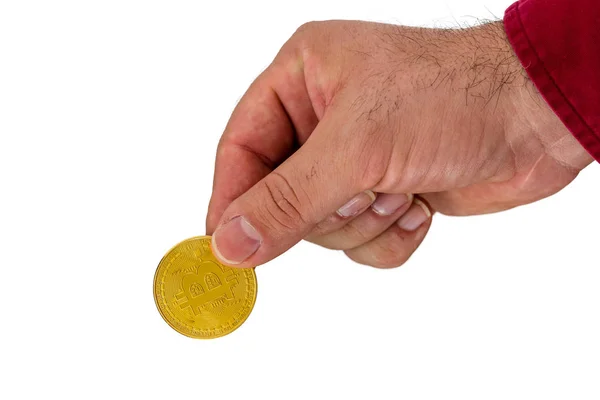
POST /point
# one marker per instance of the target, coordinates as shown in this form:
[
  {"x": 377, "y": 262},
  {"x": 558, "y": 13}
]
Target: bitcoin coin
[{"x": 197, "y": 295}]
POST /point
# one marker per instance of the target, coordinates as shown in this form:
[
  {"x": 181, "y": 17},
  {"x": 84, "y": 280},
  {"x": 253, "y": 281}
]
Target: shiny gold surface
[{"x": 197, "y": 295}]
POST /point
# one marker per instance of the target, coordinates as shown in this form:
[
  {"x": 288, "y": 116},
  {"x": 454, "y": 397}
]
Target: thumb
[{"x": 282, "y": 208}]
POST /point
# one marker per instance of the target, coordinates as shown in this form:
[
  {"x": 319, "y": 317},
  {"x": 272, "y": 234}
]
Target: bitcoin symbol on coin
[{"x": 198, "y": 296}]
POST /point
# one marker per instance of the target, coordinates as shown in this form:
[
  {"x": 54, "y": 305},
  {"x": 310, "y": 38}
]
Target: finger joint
[{"x": 285, "y": 207}]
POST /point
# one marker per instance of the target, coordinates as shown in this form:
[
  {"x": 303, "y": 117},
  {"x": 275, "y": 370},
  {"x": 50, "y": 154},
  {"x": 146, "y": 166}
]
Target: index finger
[{"x": 273, "y": 118}]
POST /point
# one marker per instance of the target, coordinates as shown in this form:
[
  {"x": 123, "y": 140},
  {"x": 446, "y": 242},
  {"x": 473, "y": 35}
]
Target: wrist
[
  {"x": 528, "y": 116},
  {"x": 529, "y": 119}
]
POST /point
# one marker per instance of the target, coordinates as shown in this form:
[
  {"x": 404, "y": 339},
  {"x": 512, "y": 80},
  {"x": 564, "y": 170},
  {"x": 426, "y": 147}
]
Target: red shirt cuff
[{"x": 564, "y": 84}]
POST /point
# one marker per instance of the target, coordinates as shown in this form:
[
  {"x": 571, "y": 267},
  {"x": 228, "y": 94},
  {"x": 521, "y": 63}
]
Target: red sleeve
[{"x": 558, "y": 43}]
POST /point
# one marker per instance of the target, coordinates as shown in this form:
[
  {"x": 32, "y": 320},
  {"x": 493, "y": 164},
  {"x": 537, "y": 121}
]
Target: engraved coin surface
[{"x": 197, "y": 295}]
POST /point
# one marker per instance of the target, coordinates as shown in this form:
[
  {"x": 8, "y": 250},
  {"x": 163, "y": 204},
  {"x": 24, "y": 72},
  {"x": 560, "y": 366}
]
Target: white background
[{"x": 110, "y": 113}]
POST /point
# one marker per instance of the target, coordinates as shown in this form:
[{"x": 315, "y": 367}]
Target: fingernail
[
  {"x": 235, "y": 241},
  {"x": 387, "y": 204},
  {"x": 357, "y": 204},
  {"x": 416, "y": 215}
]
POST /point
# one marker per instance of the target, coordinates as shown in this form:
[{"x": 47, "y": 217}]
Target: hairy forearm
[{"x": 479, "y": 64}]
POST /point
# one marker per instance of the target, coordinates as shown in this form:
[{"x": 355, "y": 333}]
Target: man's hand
[{"x": 358, "y": 131}]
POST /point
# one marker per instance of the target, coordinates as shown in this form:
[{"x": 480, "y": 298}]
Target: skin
[{"x": 446, "y": 116}]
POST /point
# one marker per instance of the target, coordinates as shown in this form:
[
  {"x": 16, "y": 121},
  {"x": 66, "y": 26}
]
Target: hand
[{"x": 424, "y": 119}]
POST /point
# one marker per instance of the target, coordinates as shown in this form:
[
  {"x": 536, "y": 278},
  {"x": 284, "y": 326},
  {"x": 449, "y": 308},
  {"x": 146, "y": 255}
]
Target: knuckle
[
  {"x": 325, "y": 227},
  {"x": 390, "y": 254},
  {"x": 307, "y": 27},
  {"x": 388, "y": 262},
  {"x": 306, "y": 34},
  {"x": 353, "y": 235},
  {"x": 283, "y": 207}
]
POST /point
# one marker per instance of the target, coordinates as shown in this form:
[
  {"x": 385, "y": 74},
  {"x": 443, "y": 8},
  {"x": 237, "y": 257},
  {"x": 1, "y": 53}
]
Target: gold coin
[{"x": 197, "y": 295}]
